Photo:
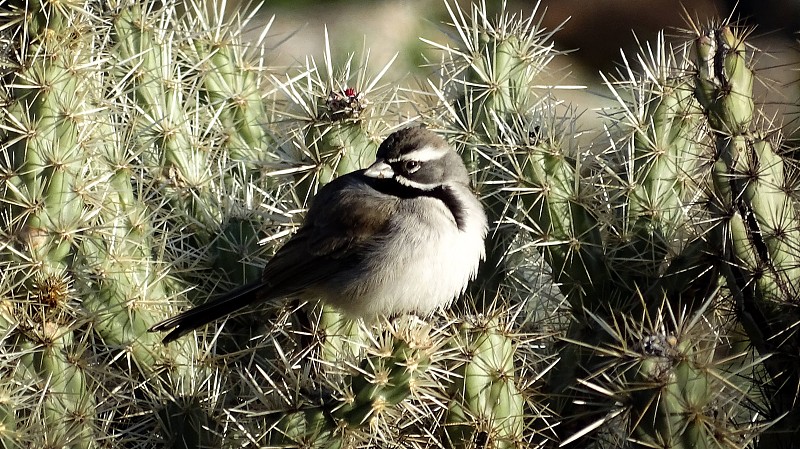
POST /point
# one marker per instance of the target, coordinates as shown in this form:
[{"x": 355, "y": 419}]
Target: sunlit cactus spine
[
  {"x": 664, "y": 177},
  {"x": 235, "y": 92},
  {"x": 622, "y": 231},
  {"x": 124, "y": 301},
  {"x": 681, "y": 214},
  {"x": 147, "y": 157},
  {"x": 196, "y": 120},
  {"x": 45, "y": 187},
  {"x": 84, "y": 272},
  {"x": 385, "y": 376},
  {"x": 662, "y": 254},
  {"x": 486, "y": 407},
  {"x": 43, "y": 137},
  {"x": 758, "y": 222},
  {"x": 68, "y": 405},
  {"x": 529, "y": 174},
  {"x": 362, "y": 404},
  {"x": 167, "y": 129},
  {"x": 11, "y": 397},
  {"x": 334, "y": 114},
  {"x": 340, "y": 139},
  {"x": 556, "y": 205},
  {"x": 559, "y": 209},
  {"x": 489, "y": 78},
  {"x": 676, "y": 393}
]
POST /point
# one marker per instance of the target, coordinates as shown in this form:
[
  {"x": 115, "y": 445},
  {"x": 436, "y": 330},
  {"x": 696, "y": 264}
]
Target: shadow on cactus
[
  {"x": 638, "y": 292},
  {"x": 675, "y": 227}
]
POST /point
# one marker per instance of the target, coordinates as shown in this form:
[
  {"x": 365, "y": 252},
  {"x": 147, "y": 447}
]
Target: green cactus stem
[
  {"x": 724, "y": 80},
  {"x": 236, "y": 91},
  {"x": 485, "y": 403},
  {"x": 309, "y": 428},
  {"x": 757, "y": 230},
  {"x": 384, "y": 378},
  {"x": 166, "y": 127},
  {"x": 672, "y": 398}
]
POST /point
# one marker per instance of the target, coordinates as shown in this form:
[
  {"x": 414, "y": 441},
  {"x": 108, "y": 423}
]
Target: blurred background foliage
[{"x": 593, "y": 36}]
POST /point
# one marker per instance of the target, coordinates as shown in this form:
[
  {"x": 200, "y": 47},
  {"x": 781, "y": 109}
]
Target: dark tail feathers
[{"x": 191, "y": 319}]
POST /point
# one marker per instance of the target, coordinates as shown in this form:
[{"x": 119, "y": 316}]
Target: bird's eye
[{"x": 412, "y": 166}]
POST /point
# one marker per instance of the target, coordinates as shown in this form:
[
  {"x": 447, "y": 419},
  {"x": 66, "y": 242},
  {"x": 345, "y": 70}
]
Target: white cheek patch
[{"x": 413, "y": 184}]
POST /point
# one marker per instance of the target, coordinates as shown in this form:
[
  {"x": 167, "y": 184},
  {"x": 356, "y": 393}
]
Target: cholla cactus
[
  {"x": 642, "y": 295},
  {"x": 84, "y": 268},
  {"x": 484, "y": 82},
  {"x": 629, "y": 233},
  {"x": 486, "y": 404},
  {"x": 758, "y": 222}
]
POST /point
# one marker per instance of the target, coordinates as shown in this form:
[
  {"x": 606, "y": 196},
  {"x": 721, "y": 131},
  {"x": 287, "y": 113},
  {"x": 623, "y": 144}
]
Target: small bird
[{"x": 405, "y": 235}]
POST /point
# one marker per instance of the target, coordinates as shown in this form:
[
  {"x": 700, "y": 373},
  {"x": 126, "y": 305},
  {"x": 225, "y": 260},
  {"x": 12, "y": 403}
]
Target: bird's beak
[{"x": 380, "y": 169}]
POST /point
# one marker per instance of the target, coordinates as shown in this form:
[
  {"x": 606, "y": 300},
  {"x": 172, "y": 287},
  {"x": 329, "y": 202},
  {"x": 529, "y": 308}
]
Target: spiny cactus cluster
[{"x": 640, "y": 292}]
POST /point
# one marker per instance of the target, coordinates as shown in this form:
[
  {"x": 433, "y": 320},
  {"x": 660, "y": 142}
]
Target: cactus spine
[
  {"x": 757, "y": 220},
  {"x": 146, "y": 151},
  {"x": 486, "y": 404},
  {"x": 46, "y": 129}
]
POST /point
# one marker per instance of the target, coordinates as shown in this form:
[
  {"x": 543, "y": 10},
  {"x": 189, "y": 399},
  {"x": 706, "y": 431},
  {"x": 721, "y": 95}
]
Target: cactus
[
  {"x": 44, "y": 207},
  {"x": 164, "y": 128},
  {"x": 638, "y": 295},
  {"x": 485, "y": 400},
  {"x": 625, "y": 231},
  {"x": 334, "y": 119},
  {"x": 679, "y": 394},
  {"x": 486, "y": 82},
  {"x": 757, "y": 221}
]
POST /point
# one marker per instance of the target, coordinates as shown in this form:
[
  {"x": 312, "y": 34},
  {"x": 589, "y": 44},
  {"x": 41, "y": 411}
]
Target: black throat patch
[{"x": 442, "y": 193}]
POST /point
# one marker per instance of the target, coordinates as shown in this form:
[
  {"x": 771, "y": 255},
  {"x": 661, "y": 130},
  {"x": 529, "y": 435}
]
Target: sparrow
[{"x": 403, "y": 236}]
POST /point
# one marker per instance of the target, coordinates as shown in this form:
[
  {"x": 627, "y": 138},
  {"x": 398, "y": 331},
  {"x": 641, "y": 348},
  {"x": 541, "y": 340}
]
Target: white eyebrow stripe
[{"x": 424, "y": 154}]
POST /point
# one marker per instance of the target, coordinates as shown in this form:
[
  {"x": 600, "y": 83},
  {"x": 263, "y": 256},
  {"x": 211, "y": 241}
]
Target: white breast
[{"x": 425, "y": 262}]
